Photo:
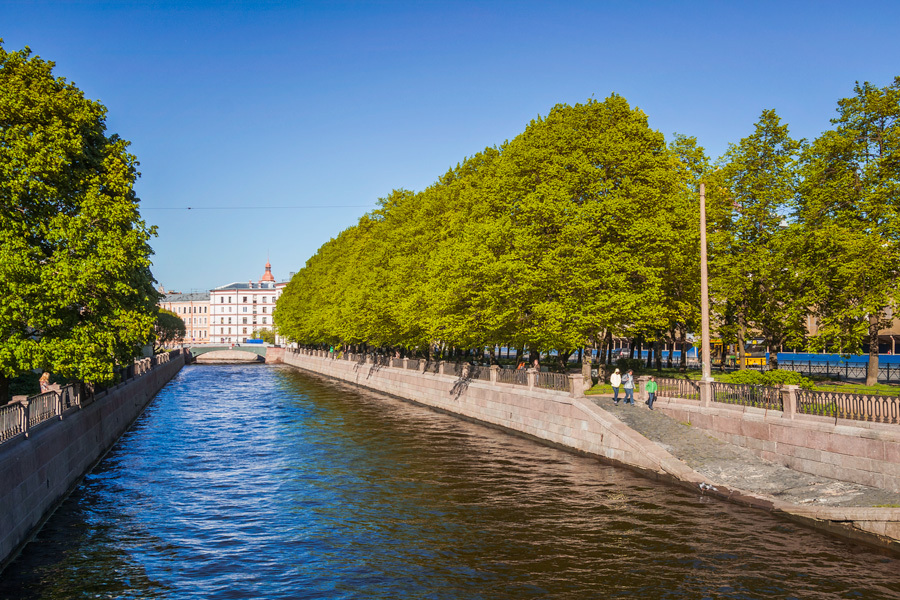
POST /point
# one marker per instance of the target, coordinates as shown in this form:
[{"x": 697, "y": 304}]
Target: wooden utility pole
[{"x": 704, "y": 289}]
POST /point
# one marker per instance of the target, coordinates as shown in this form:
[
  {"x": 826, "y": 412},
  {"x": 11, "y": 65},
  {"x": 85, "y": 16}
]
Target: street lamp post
[{"x": 704, "y": 289}]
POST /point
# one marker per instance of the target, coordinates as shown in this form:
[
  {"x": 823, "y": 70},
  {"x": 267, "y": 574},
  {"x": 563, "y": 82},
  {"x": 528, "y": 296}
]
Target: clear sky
[{"x": 330, "y": 105}]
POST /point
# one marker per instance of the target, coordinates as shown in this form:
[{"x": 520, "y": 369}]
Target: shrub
[
  {"x": 776, "y": 377},
  {"x": 633, "y": 364}
]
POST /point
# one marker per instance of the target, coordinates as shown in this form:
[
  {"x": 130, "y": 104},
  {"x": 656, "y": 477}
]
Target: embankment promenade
[
  {"x": 52, "y": 442},
  {"x": 565, "y": 418}
]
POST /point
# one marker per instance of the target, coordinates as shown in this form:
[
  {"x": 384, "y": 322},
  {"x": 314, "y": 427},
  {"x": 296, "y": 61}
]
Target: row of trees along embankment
[
  {"x": 586, "y": 226},
  {"x": 76, "y": 292}
]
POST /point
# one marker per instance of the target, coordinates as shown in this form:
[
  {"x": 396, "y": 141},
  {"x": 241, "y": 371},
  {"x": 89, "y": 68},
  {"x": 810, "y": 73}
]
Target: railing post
[
  {"x": 441, "y": 366},
  {"x": 59, "y": 404},
  {"x": 495, "y": 373},
  {"x": 405, "y": 363},
  {"x": 25, "y": 417},
  {"x": 642, "y": 387},
  {"x": 789, "y": 400},
  {"x": 706, "y": 393},
  {"x": 531, "y": 375},
  {"x": 423, "y": 364},
  {"x": 576, "y": 385}
]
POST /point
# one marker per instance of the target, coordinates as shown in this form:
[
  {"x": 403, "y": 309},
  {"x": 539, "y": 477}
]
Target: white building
[
  {"x": 194, "y": 311},
  {"x": 237, "y": 310}
]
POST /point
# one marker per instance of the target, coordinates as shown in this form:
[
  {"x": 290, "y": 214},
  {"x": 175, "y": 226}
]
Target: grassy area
[{"x": 821, "y": 385}]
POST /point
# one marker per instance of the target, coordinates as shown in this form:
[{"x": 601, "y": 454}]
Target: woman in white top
[{"x": 615, "y": 380}]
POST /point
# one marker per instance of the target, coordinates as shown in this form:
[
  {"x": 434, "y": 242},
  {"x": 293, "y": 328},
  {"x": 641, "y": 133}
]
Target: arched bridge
[{"x": 236, "y": 353}]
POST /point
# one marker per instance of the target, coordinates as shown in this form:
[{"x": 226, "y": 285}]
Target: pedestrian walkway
[{"x": 738, "y": 468}]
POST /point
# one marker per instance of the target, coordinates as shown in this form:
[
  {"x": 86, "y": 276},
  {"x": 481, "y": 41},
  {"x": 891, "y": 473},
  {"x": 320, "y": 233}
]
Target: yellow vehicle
[{"x": 754, "y": 353}]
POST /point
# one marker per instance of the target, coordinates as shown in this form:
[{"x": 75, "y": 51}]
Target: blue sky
[{"x": 331, "y": 105}]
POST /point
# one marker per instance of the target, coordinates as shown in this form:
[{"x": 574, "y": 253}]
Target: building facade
[
  {"x": 194, "y": 311},
  {"x": 238, "y": 310}
]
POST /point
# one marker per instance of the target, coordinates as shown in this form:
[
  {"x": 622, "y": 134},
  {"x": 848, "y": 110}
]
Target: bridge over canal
[{"x": 236, "y": 353}]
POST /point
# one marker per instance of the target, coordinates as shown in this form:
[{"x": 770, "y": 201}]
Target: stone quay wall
[
  {"x": 37, "y": 472},
  {"x": 565, "y": 419},
  {"x": 861, "y": 452}
]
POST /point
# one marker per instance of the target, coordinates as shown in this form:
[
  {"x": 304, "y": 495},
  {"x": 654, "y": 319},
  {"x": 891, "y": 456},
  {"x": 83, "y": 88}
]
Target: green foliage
[
  {"x": 850, "y": 216},
  {"x": 169, "y": 329},
  {"x": 630, "y": 364},
  {"x": 774, "y": 377},
  {"x": 266, "y": 335},
  {"x": 74, "y": 255},
  {"x": 582, "y": 224}
]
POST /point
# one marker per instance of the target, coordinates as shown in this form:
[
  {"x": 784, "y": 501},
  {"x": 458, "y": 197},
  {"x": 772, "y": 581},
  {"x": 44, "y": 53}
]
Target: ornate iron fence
[
  {"x": 480, "y": 372},
  {"x": 553, "y": 381},
  {"x": 12, "y": 420},
  {"x": 678, "y": 388},
  {"x": 761, "y": 396},
  {"x": 514, "y": 376},
  {"x": 857, "y": 407}
]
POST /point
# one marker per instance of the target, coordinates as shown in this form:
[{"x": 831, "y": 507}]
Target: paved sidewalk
[{"x": 737, "y": 468}]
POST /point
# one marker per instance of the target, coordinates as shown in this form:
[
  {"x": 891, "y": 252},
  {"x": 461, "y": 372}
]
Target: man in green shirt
[{"x": 651, "y": 392}]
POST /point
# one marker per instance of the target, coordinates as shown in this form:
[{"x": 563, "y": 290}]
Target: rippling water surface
[{"x": 261, "y": 482}]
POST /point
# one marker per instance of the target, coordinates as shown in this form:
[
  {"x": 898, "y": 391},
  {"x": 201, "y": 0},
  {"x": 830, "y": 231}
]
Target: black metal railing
[{"x": 761, "y": 396}]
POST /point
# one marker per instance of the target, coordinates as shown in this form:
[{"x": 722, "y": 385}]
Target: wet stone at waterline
[{"x": 253, "y": 481}]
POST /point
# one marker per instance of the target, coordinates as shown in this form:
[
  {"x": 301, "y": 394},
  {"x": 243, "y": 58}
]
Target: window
[
  {"x": 229, "y": 330},
  {"x": 264, "y": 309},
  {"x": 264, "y": 320},
  {"x": 245, "y": 299},
  {"x": 245, "y": 320},
  {"x": 222, "y": 301},
  {"x": 245, "y": 309},
  {"x": 264, "y": 299},
  {"x": 229, "y": 320},
  {"x": 245, "y": 330},
  {"x": 229, "y": 299}
]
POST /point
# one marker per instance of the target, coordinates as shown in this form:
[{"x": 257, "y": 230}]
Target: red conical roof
[{"x": 267, "y": 276}]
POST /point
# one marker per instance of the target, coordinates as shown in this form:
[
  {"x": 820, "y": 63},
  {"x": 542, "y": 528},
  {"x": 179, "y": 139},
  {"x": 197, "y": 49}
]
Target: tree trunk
[
  {"x": 657, "y": 355},
  {"x": 4, "y": 390},
  {"x": 773, "y": 357},
  {"x": 671, "y": 348},
  {"x": 586, "y": 364},
  {"x": 609, "y": 346},
  {"x": 682, "y": 335},
  {"x": 742, "y": 352},
  {"x": 872, "y": 371}
]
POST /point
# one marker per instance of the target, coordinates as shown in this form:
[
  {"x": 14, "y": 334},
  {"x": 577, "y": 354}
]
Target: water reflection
[{"x": 261, "y": 482}]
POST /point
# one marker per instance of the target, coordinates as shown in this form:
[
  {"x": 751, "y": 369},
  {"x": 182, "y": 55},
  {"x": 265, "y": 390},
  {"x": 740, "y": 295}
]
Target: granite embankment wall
[
  {"x": 37, "y": 472},
  {"x": 857, "y": 451},
  {"x": 566, "y": 419},
  {"x": 569, "y": 420}
]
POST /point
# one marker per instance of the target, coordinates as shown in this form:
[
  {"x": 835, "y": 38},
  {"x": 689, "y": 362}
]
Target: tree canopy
[
  {"x": 574, "y": 228},
  {"x": 74, "y": 253}
]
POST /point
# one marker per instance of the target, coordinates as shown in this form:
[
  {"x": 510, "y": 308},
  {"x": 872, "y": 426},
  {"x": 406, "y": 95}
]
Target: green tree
[
  {"x": 754, "y": 272},
  {"x": 266, "y": 335},
  {"x": 169, "y": 329},
  {"x": 74, "y": 256},
  {"x": 848, "y": 210}
]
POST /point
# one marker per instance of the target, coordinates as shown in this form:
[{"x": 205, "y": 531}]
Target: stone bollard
[
  {"x": 576, "y": 385},
  {"x": 789, "y": 399},
  {"x": 405, "y": 363},
  {"x": 706, "y": 393},
  {"x": 422, "y": 365},
  {"x": 495, "y": 373},
  {"x": 441, "y": 367},
  {"x": 642, "y": 387},
  {"x": 531, "y": 374}
]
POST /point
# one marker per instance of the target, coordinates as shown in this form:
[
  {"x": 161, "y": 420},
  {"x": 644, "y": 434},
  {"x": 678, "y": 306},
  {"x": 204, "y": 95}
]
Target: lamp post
[{"x": 704, "y": 289}]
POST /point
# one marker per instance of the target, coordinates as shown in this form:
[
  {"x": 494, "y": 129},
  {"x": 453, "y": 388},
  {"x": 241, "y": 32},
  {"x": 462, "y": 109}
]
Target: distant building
[
  {"x": 194, "y": 311},
  {"x": 238, "y": 310}
]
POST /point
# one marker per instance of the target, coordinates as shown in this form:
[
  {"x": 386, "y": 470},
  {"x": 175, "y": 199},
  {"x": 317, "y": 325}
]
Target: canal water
[{"x": 257, "y": 481}]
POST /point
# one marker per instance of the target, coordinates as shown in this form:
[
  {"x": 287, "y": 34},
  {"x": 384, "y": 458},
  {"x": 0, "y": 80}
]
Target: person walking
[
  {"x": 615, "y": 380},
  {"x": 652, "y": 386},
  {"x": 45, "y": 382},
  {"x": 628, "y": 384}
]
